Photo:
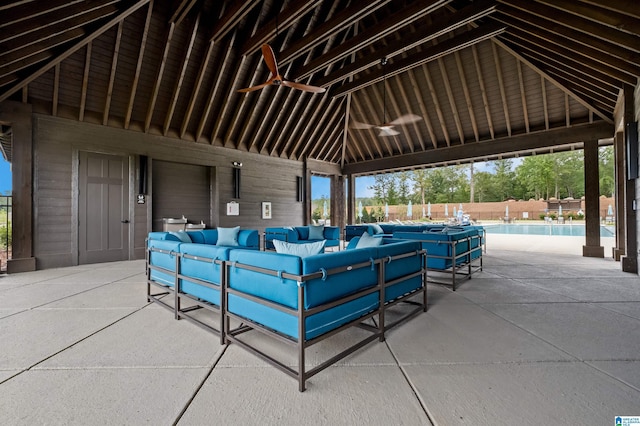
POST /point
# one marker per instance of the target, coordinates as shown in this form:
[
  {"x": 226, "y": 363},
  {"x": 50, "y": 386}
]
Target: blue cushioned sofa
[
  {"x": 297, "y": 300},
  {"x": 300, "y": 234}
]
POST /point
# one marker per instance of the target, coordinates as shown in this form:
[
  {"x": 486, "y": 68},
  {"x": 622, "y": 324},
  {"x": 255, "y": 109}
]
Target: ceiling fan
[
  {"x": 386, "y": 129},
  {"x": 276, "y": 79}
]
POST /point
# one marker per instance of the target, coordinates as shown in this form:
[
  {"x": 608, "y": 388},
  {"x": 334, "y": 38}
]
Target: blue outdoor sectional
[
  {"x": 453, "y": 252},
  {"x": 297, "y": 300}
]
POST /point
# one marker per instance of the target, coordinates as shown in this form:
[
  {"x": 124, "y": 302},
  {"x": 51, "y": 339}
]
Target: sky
[{"x": 5, "y": 176}]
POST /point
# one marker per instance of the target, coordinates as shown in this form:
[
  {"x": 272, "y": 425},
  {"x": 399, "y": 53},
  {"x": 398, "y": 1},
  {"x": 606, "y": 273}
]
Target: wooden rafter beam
[
  {"x": 577, "y": 23},
  {"x": 156, "y": 86},
  {"x": 181, "y": 12},
  {"x": 283, "y": 20},
  {"x": 231, "y": 18},
  {"x": 27, "y": 11},
  {"x": 340, "y": 22},
  {"x": 612, "y": 19},
  {"x": 112, "y": 75},
  {"x": 428, "y": 54},
  {"x": 132, "y": 7},
  {"x": 422, "y": 35},
  {"x": 627, "y": 7},
  {"x": 136, "y": 77},
  {"x": 479, "y": 150},
  {"x": 394, "y": 22}
]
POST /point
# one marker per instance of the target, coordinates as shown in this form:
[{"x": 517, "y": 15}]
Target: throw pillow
[
  {"x": 302, "y": 250},
  {"x": 377, "y": 228},
  {"x": 228, "y": 236},
  {"x": 181, "y": 236},
  {"x": 368, "y": 241},
  {"x": 316, "y": 232}
]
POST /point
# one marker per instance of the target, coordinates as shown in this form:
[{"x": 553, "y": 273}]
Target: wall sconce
[{"x": 236, "y": 164}]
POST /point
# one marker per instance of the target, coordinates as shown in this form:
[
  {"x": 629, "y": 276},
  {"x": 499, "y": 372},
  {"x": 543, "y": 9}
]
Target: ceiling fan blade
[
  {"x": 258, "y": 87},
  {"x": 358, "y": 125},
  {"x": 270, "y": 59},
  {"x": 387, "y": 131},
  {"x": 406, "y": 119},
  {"x": 305, "y": 87}
]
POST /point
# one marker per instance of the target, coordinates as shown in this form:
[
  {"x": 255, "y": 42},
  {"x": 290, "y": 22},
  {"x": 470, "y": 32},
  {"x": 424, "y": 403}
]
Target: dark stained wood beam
[
  {"x": 501, "y": 85},
  {"x": 131, "y": 7},
  {"x": 535, "y": 24},
  {"x": 159, "y": 74},
  {"x": 480, "y": 150},
  {"x": 467, "y": 95},
  {"x": 112, "y": 75},
  {"x": 343, "y": 20},
  {"x": 231, "y": 18},
  {"x": 183, "y": 9},
  {"x": 295, "y": 10},
  {"x": 28, "y": 11},
  {"x": 402, "y": 18},
  {"x": 431, "y": 53},
  {"x": 627, "y": 7},
  {"x": 584, "y": 25},
  {"x": 136, "y": 77},
  {"x": 422, "y": 35},
  {"x": 85, "y": 82},
  {"x": 614, "y": 20}
]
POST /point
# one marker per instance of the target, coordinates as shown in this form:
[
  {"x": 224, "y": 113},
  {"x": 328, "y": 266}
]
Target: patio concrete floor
[{"x": 536, "y": 338}]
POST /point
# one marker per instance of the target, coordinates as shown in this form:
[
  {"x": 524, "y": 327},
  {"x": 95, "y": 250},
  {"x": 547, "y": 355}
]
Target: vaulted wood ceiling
[{"x": 474, "y": 71}]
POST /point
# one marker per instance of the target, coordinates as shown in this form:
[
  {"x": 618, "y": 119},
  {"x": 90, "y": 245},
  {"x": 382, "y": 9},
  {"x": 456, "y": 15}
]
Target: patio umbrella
[
  {"x": 386, "y": 210},
  {"x": 424, "y": 214},
  {"x": 446, "y": 210},
  {"x": 360, "y": 210},
  {"x": 559, "y": 210},
  {"x": 324, "y": 209},
  {"x": 610, "y": 210},
  {"x": 455, "y": 212},
  {"x": 460, "y": 207},
  {"x": 409, "y": 207},
  {"x": 429, "y": 209},
  {"x": 506, "y": 211}
]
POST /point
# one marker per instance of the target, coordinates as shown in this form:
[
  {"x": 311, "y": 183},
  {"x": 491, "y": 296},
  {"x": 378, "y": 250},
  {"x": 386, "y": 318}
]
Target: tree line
[{"x": 558, "y": 175}]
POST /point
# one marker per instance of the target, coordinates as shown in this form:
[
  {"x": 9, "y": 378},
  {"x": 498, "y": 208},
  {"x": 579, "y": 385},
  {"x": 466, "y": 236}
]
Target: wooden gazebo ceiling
[{"x": 475, "y": 71}]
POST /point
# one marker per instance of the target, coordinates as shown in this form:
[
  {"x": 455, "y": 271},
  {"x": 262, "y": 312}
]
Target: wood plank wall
[{"x": 57, "y": 142}]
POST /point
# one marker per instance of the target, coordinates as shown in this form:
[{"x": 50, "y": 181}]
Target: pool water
[{"x": 570, "y": 230}]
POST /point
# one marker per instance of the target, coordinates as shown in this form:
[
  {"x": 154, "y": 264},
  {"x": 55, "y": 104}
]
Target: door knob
[{"x": 125, "y": 221}]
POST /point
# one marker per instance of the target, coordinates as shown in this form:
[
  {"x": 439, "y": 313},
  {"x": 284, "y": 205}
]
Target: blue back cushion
[
  {"x": 334, "y": 286},
  {"x": 273, "y": 288},
  {"x": 316, "y": 232},
  {"x": 181, "y": 236},
  {"x": 303, "y": 232},
  {"x": 202, "y": 269},
  {"x": 367, "y": 240}
]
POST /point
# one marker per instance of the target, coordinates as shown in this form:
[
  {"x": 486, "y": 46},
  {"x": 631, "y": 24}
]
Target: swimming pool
[{"x": 568, "y": 230}]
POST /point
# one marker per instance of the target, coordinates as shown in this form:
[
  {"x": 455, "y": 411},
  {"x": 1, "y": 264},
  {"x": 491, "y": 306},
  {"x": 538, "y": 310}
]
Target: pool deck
[{"x": 536, "y": 338}]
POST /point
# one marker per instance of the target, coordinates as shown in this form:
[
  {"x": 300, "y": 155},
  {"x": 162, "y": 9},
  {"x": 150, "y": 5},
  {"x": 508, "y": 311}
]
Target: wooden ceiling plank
[
  {"x": 136, "y": 77},
  {"x": 436, "y": 104},
  {"x": 580, "y": 89},
  {"x": 56, "y": 90},
  {"x": 424, "y": 34},
  {"x": 319, "y": 137},
  {"x": 292, "y": 101},
  {"x": 231, "y": 18},
  {"x": 577, "y": 23},
  {"x": 383, "y": 120},
  {"x": 523, "y": 96},
  {"x": 612, "y": 19},
  {"x": 551, "y": 79},
  {"x": 396, "y": 107},
  {"x": 314, "y": 103},
  {"x": 342, "y": 21},
  {"x": 534, "y": 24},
  {"x": 298, "y": 108},
  {"x": 467, "y": 95},
  {"x": 415, "y": 125},
  {"x": 451, "y": 99},
  {"x": 28, "y": 54},
  {"x": 183, "y": 69},
  {"x": 423, "y": 108},
  {"x": 294, "y": 11},
  {"x": 428, "y": 54},
  {"x": 14, "y": 68},
  {"x": 345, "y": 135},
  {"x": 312, "y": 125},
  {"x": 217, "y": 84},
  {"x": 134, "y": 6},
  {"x": 182, "y": 11},
  {"x": 520, "y": 143},
  {"x": 483, "y": 90},
  {"x": 332, "y": 149},
  {"x": 627, "y": 7},
  {"x": 159, "y": 75},
  {"x": 9, "y": 5},
  {"x": 85, "y": 82},
  {"x": 562, "y": 46},
  {"x": 27, "y": 11},
  {"x": 401, "y": 18},
  {"x": 503, "y": 94},
  {"x": 545, "y": 103},
  {"x": 567, "y": 111},
  {"x": 196, "y": 89},
  {"x": 112, "y": 75},
  {"x": 42, "y": 27}
]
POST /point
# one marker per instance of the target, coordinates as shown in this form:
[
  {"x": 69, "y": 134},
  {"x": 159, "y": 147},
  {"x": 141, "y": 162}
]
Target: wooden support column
[
  {"x": 337, "y": 201},
  {"x": 351, "y": 199},
  {"x": 592, "y": 248},
  {"x": 618, "y": 148},
  {"x": 18, "y": 116},
  {"x": 630, "y": 259}
]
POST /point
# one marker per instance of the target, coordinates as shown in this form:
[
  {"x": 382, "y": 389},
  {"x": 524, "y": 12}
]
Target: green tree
[
  {"x": 606, "y": 170},
  {"x": 503, "y": 179},
  {"x": 403, "y": 187}
]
